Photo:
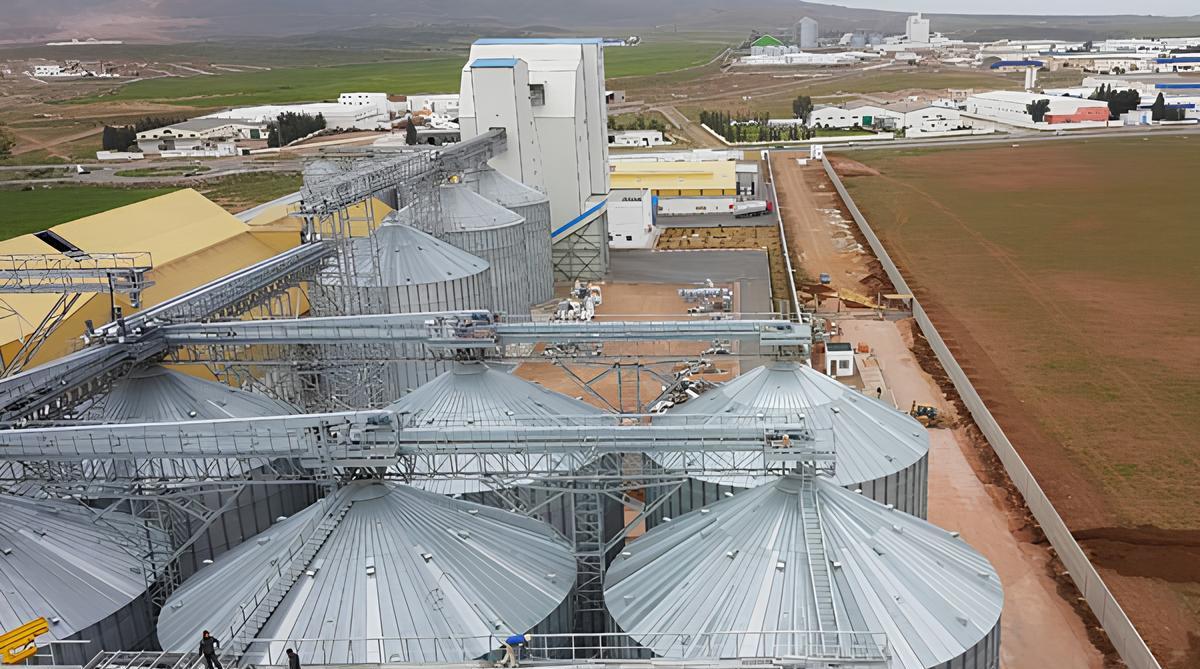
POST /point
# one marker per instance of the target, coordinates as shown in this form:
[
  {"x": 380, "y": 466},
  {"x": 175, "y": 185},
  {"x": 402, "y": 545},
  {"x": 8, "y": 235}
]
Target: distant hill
[{"x": 215, "y": 19}]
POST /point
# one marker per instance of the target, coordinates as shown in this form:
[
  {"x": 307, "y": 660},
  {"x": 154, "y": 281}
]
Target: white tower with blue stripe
[{"x": 563, "y": 150}]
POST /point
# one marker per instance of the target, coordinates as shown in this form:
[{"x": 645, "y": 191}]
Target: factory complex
[{"x": 506, "y": 394}]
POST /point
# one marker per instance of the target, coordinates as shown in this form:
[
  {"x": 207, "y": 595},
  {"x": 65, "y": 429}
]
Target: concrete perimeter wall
[{"x": 1125, "y": 638}]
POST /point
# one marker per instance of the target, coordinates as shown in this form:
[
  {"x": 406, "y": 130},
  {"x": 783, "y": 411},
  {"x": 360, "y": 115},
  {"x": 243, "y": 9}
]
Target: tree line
[
  {"x": 290, "y": 127},
  {"x": 757, "y": 127},
  {"x": 639, "y": 122}
]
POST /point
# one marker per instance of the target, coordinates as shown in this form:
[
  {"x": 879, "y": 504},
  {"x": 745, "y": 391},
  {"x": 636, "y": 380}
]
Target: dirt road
[{"x": 819, "y": 236}]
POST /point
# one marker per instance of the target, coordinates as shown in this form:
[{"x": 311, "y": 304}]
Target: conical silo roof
[
  {"x": 504, "y": 190},
  {"x": 401, "y": 564},
  {"x": 156, "y": 394},
  {"x": 58, "y": 561},
  {"x": 464, "y": 209},
  {"x": 471, "y": 393},
  {"x": 752, "y": 563},
  {"x": 873, "y": 440},
  {"x": 407, "y": 256}
]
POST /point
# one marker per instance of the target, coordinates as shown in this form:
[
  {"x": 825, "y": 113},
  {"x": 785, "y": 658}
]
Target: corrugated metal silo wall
[
  {"x": 255, "y": 510},
  {"x": 504, "y": 249},
  {"x": 129, "y": 628},
  {"x": 983, "y": 655},
  {"x": 409, "y": 370},
  {"x": 907, "y": 490},
  {"x": 537, "y": 250}
]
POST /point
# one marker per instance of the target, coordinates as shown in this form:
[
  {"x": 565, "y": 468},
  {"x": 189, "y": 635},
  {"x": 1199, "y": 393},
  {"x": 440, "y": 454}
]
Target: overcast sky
[{"x": 1159, "y": 7}]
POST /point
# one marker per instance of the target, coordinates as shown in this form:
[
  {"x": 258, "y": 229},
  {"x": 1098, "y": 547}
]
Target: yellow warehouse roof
[
  {"x": 700, "y": 175},
  {"x": 169, "y": 227},
  {"x": 190, "y": 239}
]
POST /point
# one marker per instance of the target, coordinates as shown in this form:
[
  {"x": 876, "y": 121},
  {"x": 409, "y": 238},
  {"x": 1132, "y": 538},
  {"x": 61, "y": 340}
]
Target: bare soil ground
[
  {"x": 1052, "y": 627},
  {"x": 630, "y": 301},
  {"x": 1068, "y": 293}
]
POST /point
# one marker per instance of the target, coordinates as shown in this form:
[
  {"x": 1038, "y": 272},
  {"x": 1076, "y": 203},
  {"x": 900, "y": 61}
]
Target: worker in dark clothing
[
  {"x": 208, "y": 649},
  {"x": 293, "y": 659}
]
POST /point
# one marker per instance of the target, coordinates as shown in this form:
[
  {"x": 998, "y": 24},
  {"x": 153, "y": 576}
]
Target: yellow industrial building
[
  {"x": 675, "y": 179},
  {"x": 190, "y": 239}
]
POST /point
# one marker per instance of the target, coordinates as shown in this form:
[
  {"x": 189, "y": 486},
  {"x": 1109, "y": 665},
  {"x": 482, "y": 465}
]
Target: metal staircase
[
  {"x": 818, "y": 564},
  {"x": 149, "y": 659},
  {"x": 255, "y": 614}
]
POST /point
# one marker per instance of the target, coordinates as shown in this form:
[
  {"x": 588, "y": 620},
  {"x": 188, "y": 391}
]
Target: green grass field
[
  {"x": 307, "y": 84},
  {"x": 35, "y": 210},
  {"x": 421, "y": 73}
]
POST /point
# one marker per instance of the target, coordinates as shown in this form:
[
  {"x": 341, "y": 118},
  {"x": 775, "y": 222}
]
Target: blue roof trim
[
  {"x": 494, "y": 62},
  {"x": 567, "y": 226},
  {"x": 540, "y": 40},
  {"x": 1179, "y": 86},
  {"x": 1178, "y": 59},
  {"x": 1017, "y": 63}
]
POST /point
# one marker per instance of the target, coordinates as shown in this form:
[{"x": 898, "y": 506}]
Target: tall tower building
[
  {"x": 805, "y": 32},
  {"x": 917, "y": 29}
]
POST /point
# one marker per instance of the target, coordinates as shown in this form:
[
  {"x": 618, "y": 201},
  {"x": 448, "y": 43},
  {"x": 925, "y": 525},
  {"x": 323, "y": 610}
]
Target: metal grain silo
[
  {"x": 155, "y": 394},
  {"x": 498, "y": 235},
  {"x": 59, "y": 561},
  {"x": 403, "y": 576},
  {"x": 400, "y": 269},
  {"x": 471, "y": 393},
  {"x": 534, "y": 207},
  {"x": 881, "y": 451},
  {"x": 805, "y": 568}
]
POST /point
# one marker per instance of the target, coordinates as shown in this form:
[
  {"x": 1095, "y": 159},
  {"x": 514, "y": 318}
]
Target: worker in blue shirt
[{"x": 512, "y": 649}]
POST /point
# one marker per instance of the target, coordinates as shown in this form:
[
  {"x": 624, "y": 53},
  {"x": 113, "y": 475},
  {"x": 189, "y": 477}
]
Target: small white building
[
  {"x": 55, "y": 70},
  {"x": 631, "y": 217},
  {"x": 636, "y": 138},
  {"x": 839, "y": 359},
  {"x": 849, "y": 116},
  {"x": 445, "y": 104}
]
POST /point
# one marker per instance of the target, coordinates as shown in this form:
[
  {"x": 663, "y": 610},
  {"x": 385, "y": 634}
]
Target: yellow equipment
[
  {"x": 926, "y": 414},
  {"x": 17, "y": 645}
]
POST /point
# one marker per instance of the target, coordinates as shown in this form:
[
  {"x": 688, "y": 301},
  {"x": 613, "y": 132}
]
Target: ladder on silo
[
  {"x": 286, "y": 574},
  {"x": 818, "y": 566}
]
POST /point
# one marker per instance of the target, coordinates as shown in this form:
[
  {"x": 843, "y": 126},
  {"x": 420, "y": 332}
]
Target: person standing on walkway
[
  {"x": 208, "y": 649},
  {"x": 293, "y": 659}
]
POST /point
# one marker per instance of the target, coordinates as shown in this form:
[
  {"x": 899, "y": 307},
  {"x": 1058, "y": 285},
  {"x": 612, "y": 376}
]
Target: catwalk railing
[
  {"x": 859, "y": 648},
  {"x": 1124, "y": 636}
]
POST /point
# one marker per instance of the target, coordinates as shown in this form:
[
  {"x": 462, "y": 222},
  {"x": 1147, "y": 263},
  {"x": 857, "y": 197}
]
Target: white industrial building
[
  {"x": 1011, "y": 107},
  {"x": 916, "y": 29},
  {"x": 791, "y": 56},
  {"x": 805, "y": 33},
  {"x": 549, "y": 95},
  {"x": 631, "y": 219},
  {"x": 444, "y": 104},
  {"x": 920, "y": 117},
  {"x": 200, "y": 137},
  {"x": 636, "y": 138},
  {"x": 352, "y": 111}
]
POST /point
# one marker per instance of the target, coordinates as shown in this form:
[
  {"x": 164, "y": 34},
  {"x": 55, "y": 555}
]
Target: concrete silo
[
  {"x": 404, "y": 576},
  {"x": 59, "y": 562},
  {"x": 880, "y": 451},
  {"x": 534, "y": 207},
  {"x": 805, "y": 568},
  {"x": 500, "y": 236},
  {"x": 156, "y": 394}
]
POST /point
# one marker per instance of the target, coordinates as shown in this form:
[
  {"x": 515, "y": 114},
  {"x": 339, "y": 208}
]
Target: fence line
[
  {"x": 1124, "y": 636},
  {"x": 787, "y": 256}
]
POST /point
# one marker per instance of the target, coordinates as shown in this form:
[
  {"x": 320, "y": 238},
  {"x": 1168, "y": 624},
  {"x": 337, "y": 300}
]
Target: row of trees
[
  {"x": 639, "y": 122},
  {"x": 290, "y": 127},
  {"x": 124, "y": 137},
  {"x": 758, "y": 128},
  {"x": 1159, "y": 111},
  {"x": 1119, "y": 102}
]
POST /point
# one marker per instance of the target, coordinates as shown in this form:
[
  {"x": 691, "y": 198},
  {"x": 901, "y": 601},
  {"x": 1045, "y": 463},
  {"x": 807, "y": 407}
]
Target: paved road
[
  {"x": 1011, "y": 138},
  {"x": 106, "y": 173}
]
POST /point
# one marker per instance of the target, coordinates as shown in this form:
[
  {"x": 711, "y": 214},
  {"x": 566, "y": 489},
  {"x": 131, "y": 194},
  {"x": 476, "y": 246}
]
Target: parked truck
[{"x": 752, "y": 208}]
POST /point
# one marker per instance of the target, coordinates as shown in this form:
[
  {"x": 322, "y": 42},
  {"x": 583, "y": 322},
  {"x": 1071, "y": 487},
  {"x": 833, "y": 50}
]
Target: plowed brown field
[{"x": 1064, "y": 276}]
